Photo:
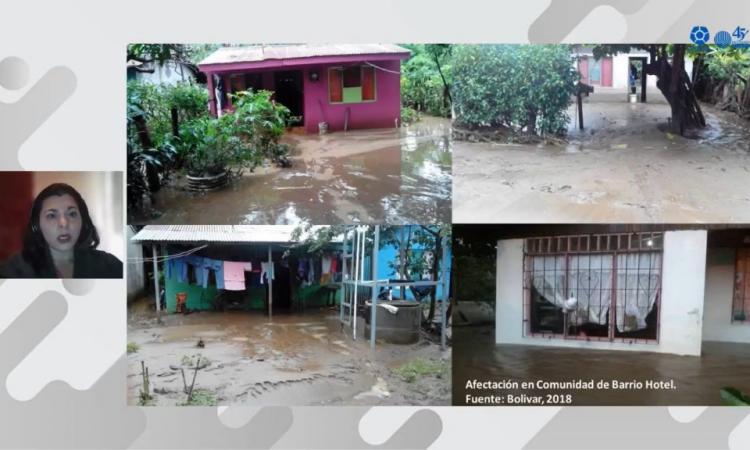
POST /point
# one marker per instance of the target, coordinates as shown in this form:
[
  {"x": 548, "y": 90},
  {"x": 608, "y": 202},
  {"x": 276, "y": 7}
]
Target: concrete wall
[
  {"x": 167, "y": 73},
  {"x": 134, "y": 271},
  {"x": 717, "y": 323},
  {"x": 621, "y": 71},
  {"x": 683, "y": 277}
]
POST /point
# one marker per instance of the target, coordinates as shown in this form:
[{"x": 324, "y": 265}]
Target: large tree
[{"x": 667, "y": 63}]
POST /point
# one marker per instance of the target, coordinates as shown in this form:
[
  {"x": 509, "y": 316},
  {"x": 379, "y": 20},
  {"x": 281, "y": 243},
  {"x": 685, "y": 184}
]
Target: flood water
[
  {"x": 623, "y": 167},
  {"x": 393, "y": 176},
  {"x": 698, "y": 380},
  {"x": 291, "y": 359}
]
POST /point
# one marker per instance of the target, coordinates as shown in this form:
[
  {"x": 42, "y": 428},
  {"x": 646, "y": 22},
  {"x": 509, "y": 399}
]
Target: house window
[
  {"x": 593, "y": 287},
  {"x": 354, "y": 84},
  {"x": 741, "y": 301}
]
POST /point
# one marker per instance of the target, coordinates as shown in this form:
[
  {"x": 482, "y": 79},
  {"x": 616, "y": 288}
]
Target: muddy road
[
  {"x": 623, "y": 167},
  {"x": 393, "y": 176},
  {"x": 294, "y": 359}
]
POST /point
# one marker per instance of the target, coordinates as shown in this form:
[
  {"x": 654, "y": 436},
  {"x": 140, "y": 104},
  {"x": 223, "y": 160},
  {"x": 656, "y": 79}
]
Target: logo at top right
[{"x": 735, "y": 39}]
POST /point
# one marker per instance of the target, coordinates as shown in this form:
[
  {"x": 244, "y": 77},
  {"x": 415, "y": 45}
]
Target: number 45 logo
[{"x": 739, "y": 33}]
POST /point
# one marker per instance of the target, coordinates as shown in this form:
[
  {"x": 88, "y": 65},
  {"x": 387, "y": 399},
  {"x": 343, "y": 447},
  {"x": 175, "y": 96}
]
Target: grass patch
[
  {"x": 146, "y": 401},
  {"x": 202, "y": 397},
  {"x": 133, "y": 347},
  {"x": 420, "y": 367}
]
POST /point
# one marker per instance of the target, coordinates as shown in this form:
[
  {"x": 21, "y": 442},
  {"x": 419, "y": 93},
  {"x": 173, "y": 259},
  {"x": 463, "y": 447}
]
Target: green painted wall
[{"x": 200, "y": 299}]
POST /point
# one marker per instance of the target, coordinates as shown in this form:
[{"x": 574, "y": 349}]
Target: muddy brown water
[
  {"x": 697, "y": 379},
  {"x": 621, "y": 168},
  {"x": 292, "y": 359},
  {"x": 388, "y": 175}
]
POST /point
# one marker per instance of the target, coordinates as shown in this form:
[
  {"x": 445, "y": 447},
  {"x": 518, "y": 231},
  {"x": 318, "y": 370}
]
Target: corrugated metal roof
[
  {"x": 229, "y": 55},
  {"x": 218, "y": 233}
]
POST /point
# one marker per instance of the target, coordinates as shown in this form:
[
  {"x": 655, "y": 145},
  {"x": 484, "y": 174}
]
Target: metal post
[
  {"x": 156, "y": 284},
  {"x": 343, "y": 279},
  {"x": 580, "y": 108},
  {"x": 643, "y": 80},
  {"x": 444, "y": 278},
  {"x": 355, "y": 263},
  {"x": 373, "y": 311},
  {"x": 270, "y": 278}
]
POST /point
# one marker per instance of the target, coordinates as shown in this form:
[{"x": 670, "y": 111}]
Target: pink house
[{"x": 347, "y": 86}]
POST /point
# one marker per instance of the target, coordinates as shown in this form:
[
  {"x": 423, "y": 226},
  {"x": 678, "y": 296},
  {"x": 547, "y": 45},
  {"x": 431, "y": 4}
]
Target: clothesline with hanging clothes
[
  {"x": 165, "y": 257},
  {"x": 307, "y": 269},
  {"x": 228, "y": 275}
]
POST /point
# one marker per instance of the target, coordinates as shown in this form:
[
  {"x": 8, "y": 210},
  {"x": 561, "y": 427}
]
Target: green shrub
[
  {"x": 525, "y": 88},
  {"x": 209, "y": 145},
  {"x": 133, "y": 347},
  {"x": 409, "y": 115},
  {"x": 155, "y": 103},
  {"x": 260, "y": 119}
]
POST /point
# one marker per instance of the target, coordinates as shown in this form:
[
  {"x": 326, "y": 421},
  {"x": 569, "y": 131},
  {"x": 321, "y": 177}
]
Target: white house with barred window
[{"x": 656, "y": 291}]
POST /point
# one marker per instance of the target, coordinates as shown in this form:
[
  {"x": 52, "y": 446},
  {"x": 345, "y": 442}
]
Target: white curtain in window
[
  {"x": 589, "y": 282},
  {"x": 588, "y": 294},
  {"x": 637, "y": 286}
]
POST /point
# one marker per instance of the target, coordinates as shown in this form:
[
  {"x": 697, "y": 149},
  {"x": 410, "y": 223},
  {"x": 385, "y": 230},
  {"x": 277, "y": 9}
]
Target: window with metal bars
[
  {"x": 741, "y": 301},
  {"x": 593, "y": 287}
]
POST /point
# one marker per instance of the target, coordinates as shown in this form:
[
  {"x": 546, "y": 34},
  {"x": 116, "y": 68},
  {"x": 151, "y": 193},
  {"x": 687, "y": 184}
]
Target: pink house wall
[{"x": 381, "y": 113}]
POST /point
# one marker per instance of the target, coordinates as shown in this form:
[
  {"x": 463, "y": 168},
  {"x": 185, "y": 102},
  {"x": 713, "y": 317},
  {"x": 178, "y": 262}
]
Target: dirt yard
[
  {"x": 293, "y": 359},
  {"x": 621, "y": 168},
  {"x": 388, "y": 175}
]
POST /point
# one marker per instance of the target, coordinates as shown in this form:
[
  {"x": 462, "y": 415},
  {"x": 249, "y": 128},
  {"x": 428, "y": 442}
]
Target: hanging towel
[
  {"x": 266, "y": 271},
  {"x": 234, "y": 275}
]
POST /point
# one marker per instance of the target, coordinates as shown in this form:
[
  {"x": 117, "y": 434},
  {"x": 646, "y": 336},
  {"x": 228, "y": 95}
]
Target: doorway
[{"x": 289, "y": 92}]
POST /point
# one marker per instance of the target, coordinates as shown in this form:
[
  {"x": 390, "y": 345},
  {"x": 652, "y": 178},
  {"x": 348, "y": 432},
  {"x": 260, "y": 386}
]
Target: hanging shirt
[
  {"x": 326, "y": 264},
  {"x": 198, "y": 263},
  {"x": 218, "y": 268},
  {"x": 234, "y": 275},
  {"x": 266, "y": 271},
  {"x": 302, "y": 267},
  {"x": 334, "y": 264},
  {"x": 311, "y": 273},
  {"x": 176, "y": 269}
]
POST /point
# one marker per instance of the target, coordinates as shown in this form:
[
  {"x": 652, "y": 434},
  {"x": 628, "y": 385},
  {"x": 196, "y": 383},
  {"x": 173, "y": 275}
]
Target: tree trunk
[
  {"x": 531, "y": 122},
  {"x": 434, "y": 269},
  {"x": 446, "y": 87},
  {"x": 152, "y": 175},
  {"x": 676, "y": 87},
  {"x": 175, "y": 123}
]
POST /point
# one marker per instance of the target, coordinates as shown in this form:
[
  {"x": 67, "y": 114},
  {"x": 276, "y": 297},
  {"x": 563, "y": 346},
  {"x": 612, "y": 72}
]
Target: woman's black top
[{"x": 88, "y": 263}]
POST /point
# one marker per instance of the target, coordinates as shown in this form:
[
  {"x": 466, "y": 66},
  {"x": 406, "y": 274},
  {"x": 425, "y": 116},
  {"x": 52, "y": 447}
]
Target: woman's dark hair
[{"x": 35, "y": 248}]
